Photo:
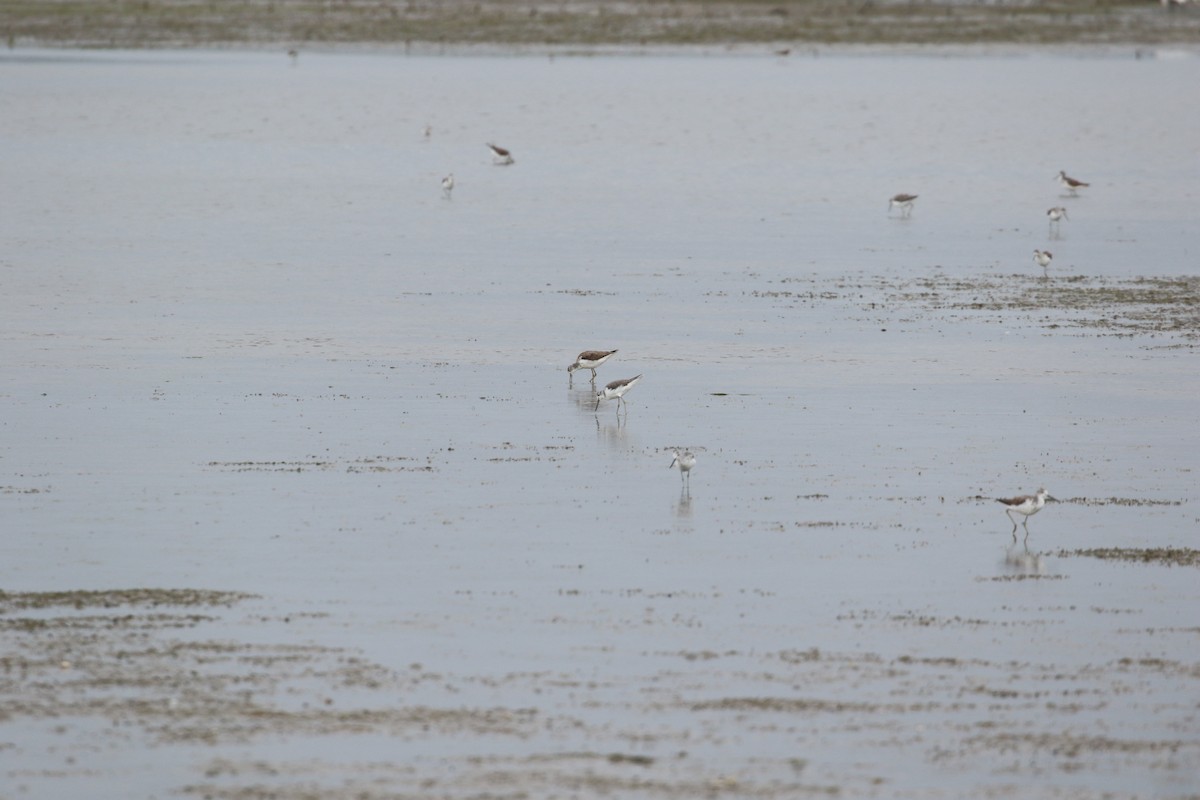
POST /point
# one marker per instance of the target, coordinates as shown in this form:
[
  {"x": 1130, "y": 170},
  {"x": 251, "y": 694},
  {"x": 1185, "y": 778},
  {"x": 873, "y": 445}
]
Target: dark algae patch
[
  {"x": 1105, "y": 306},
  {"x": 113, "y": 598},
  {"x": 1170, "y": 556},
  {"x": 1120, "y": 501},
  {"x": 1167, "y": 307}
]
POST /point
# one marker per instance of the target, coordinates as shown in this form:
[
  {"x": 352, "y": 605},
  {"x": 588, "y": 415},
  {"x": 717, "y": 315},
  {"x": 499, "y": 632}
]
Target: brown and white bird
[
  {"x": 590, "y": 359},
  {"x": 448, "y": 185},
  {"x": 904, "y": 201},
  {"x": 1043, "y": 258},
  {"x": 1070, "y": 184},
  {"x": 1027, "y": 505},
  {"x": 1055, "y": 215},
  {"x": 500, "y": 156},
  {"x": 616, "y": 390}
]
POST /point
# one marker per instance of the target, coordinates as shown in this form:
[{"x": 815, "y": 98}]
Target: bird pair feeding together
[{"x": 590, "y": 359}]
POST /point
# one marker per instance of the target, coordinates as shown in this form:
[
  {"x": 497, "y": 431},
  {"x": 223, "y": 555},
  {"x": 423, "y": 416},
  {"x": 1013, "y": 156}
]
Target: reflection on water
[
  {"x": 611, "y": 428},
  {"x": 583, "y": 399},
  {"x": 683, "y": 506},
  {"x": 613, "y": 431},
  {"x": 1022, "y": 561}
]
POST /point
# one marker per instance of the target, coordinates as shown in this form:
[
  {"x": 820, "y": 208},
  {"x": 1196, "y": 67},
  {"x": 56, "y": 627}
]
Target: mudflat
[
  {"x": 298, "y": 498},
  {"x": 590, "y": 24}
]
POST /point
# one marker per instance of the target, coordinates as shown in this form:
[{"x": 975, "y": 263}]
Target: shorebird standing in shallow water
[
  {"x": 448, "y": 185},
  {"x": 1056, "y": 215},
  {"x": 590, "y": 359},
  {"x": 616, "y": 389},
  {"x": 904, "y": 201},
  {"x": 500, "y": 156},
  {"x": 685, "y": 462},
  {"x": 1070, "y": 184},
  {"x": 1043, "y": 258},
  {"x": 1027, "y": 505}
]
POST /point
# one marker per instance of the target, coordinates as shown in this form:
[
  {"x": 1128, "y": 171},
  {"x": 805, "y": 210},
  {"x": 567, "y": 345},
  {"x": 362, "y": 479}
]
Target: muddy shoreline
[{"x": 585, "y": 26}]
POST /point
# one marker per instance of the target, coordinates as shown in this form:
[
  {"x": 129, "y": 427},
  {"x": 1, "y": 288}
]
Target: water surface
[{"x": 250, "y": 347}]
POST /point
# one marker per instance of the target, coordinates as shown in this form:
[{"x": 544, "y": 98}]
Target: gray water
[{"x": 248, "y": 345}]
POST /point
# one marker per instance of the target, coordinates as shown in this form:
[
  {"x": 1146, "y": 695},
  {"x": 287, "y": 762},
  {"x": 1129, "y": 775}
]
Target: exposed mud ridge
[
  {"x": 1141, "y": 306},
  {"x": 1031, "y": 576},
  {"x": 126, "y": 667},
  {"x": 1091, "y": 501},
  {"x": 588, "y": 23},
  {"x": 1070, "y": 746},
  {"x": 579, "y": 775},
  {"x": 803, "y": 705},
  {"x": 394, "y": 463},
  {"x": 365, "y": 464},
  {"x": 132, "y": 672},
  {"x": 1171, "y": 556}
]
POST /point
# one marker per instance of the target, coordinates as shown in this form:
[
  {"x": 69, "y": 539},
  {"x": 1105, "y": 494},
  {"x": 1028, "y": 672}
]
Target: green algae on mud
[{"x": 586, "y": 23}]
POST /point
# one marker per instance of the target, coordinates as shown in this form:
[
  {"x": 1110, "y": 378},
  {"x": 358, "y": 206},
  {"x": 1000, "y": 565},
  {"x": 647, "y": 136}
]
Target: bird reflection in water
[
  {"x": 1020, "y": 560},
  {"x": 683, "y": 506}
]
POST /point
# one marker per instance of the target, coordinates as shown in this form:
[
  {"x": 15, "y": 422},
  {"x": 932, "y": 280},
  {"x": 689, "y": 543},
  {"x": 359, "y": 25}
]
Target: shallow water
[{"x": 249, "y": 346}]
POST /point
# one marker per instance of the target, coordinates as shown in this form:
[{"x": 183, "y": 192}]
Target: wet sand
[{"x": 299, "y": 499}]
